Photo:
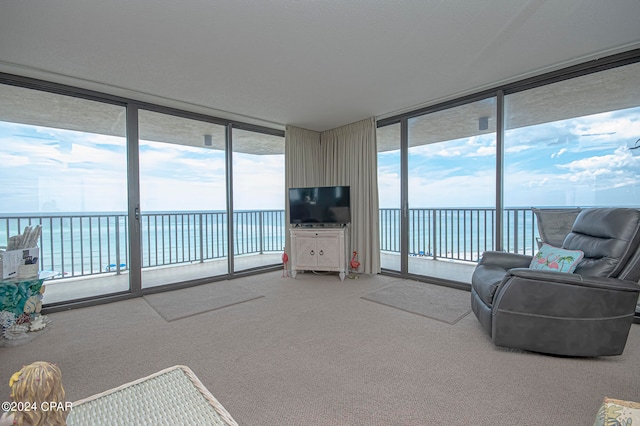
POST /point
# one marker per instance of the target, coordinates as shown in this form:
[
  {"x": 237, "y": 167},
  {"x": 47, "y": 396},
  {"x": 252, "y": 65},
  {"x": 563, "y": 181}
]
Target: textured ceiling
[{"x": 308, "y": 63}]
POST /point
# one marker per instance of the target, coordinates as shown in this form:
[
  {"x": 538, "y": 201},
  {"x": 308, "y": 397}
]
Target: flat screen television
[{"x": 320, "y": 205}]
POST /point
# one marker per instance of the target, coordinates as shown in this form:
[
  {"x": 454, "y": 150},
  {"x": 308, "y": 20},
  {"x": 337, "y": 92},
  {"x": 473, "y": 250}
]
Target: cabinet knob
[
  {"x": 312, "y": 253},
  {"x": 321, "y": 252}
]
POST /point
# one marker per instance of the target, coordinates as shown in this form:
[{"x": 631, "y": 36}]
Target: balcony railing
[
  {"x": 458, "y": 233},
  {"x": 91, "y": 244}
]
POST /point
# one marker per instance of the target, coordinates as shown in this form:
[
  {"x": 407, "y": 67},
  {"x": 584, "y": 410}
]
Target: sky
[
  {"x": 585, "y": 161},
  {"x": 53, "y": 170}
]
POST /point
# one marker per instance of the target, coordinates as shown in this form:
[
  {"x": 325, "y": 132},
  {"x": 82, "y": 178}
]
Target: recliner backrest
[
  {"x": 610, "y": 239},
  {"x": 555, "y": 224}
]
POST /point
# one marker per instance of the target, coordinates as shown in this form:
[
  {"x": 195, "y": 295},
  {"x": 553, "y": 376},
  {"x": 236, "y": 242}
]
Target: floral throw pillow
[
  {"x": 618, "y": 412},
  {"x": 550, "y": 258}
]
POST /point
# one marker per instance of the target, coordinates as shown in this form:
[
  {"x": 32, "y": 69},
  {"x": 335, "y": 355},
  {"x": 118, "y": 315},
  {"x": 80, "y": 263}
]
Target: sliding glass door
[
  {"x": 389, "y": 190},
  {"x": 451, "y": 189},
  {"x": 183, "y": 199},
  {"x": 258, "y": 199},
  {"x": 64, "y": 172},
  {"x": 442, "y": 168}
]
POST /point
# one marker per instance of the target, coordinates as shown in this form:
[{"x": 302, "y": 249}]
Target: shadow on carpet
[
  {"x": 440, "y": 303},
  {"x": 177, "y": 304}
]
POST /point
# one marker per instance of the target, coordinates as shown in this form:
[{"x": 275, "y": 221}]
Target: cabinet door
[
  {"x": 328, "y": 252},
  {"x": 306, "y": 251}
]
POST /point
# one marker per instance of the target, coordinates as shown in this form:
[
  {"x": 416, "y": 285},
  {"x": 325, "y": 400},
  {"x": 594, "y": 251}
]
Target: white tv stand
[{"x": 319, "y": 249}]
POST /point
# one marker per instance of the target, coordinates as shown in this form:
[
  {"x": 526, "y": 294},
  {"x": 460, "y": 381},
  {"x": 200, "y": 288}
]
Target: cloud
[
  {"x": 388, "y": 188},
  {"x": 87, "y": 172},
  {"x": 620, "y": 159},
  {"x": 475, "y": 146},
  {"x": 258, "y": 182},
  {"x": 608, "y": 179},
  {"x": 476, "y": 189},
  {"x": 486, "y": 151},
  {"x": 514, "y": 149},
  {"x": 559, "y": 153},
  {"x": 195, "y": 179},
  {"x": 12, "y": 159},
  {"x": 448, "y": 152}
]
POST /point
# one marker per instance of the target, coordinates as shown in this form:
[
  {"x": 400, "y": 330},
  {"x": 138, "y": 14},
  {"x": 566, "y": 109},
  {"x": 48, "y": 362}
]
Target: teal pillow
[{"x": 550, "y": 258}]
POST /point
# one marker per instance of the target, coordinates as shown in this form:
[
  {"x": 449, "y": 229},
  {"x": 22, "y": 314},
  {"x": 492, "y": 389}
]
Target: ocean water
[
  {"x": 461, "y": 234},
  {"x": 77, "y": 244}
]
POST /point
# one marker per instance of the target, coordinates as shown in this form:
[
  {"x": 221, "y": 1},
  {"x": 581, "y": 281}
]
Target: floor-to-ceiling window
[
  {"x": 573, "y": 143},
  {"x": 451, "y": 188},
  {"x": 183, "y": 198},
  {"x": 64, "y": 169},
  {"x": 76, "y": 163},
  {"x": 258, "y": 199},
  {"x": 568, "y": 139}
]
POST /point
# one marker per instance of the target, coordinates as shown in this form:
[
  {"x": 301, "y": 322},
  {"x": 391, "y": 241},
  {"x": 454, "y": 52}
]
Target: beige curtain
[
  {"x": 303, "y": 165},
  {"x": 351, "y": 158}
]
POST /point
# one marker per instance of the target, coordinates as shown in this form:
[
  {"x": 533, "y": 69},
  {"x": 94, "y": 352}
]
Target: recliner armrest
[
  {"x": 560, "y": 313},
  {"x": 562, "y": 296},
  {"x": 505, "y": 260},
  {"x": 574, "y": 279}
]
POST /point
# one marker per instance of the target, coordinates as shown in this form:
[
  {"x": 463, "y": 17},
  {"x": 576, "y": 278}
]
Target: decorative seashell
[
  {"x": 38, "y": 323},
  {"x": 43, "y": 319},
  {"x": 16, "y": 332},
  {"x": 18, "y": 328}
]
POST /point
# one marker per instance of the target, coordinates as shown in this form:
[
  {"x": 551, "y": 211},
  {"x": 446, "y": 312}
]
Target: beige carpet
[
  {"x": 313, "y": 352},
  {"x": 179, "y": 304},
  {"x": 436, "y": 302}
]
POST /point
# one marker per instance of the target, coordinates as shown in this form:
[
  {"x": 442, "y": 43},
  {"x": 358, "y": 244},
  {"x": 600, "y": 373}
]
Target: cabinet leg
[
  {"x": 342, "y": 274},
  {"x": 293, "y": 273}
]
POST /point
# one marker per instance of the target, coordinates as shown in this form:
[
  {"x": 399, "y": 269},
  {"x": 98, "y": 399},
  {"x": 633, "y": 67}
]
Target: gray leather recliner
[{"x": 586, "y": 313}]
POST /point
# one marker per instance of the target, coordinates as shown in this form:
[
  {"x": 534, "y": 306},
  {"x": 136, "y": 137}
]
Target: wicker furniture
[
  {"x": 618, "y": 412},
  {"x": 169, "y": 397}
]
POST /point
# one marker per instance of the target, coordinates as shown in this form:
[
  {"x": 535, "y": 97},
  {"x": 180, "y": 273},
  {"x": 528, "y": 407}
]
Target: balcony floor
[
  {"x": 66, "y": 289},
  {"x": 428, "y": 266}
]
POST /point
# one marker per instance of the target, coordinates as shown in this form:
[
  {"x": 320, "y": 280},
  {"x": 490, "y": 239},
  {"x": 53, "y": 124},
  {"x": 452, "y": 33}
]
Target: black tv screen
[{"x": 320, "y": 205}]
